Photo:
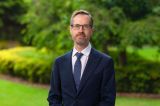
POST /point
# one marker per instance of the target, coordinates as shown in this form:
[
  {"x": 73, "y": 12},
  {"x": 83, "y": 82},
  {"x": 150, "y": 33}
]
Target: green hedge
[
  {"x": 27, "y": 62},
  {"x": 142, "y": 77},
  {"x": 139, "y": 75},
  {"x": 142, "y": 71}
]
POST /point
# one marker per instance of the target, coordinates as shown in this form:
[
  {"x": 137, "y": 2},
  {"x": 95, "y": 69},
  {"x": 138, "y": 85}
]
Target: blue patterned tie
[{"x": 77, "y": 69}]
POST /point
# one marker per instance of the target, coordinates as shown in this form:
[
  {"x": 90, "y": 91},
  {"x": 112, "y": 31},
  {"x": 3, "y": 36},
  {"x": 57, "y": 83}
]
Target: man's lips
[{"x": 81, "y": 35}]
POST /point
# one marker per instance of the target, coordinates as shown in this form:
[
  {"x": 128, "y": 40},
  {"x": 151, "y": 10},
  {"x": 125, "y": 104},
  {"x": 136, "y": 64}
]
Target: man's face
[{"x": 81, "y": 31}]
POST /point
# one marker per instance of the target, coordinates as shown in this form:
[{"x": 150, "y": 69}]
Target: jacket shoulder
[
  {"x": 102, "y": 55},
  {"x": 63, "y": 57}
]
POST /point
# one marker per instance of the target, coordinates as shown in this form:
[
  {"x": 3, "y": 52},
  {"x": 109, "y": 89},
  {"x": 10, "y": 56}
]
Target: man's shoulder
[
  {"x": 101, "y": 54},
  {"x": 64, "y": 56}
]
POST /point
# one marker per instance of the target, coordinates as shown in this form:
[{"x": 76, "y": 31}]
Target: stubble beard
[{"x": 81, "y": 41}]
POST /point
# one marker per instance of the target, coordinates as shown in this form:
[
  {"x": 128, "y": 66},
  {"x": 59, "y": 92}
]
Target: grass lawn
[
  {"x": 129, "y": 101},
  {"x": 16, "y": 94}
]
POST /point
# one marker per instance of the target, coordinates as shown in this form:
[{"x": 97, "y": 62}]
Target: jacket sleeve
[
  {"x": 54, "y": 96},
  {"x": 108, "y": 89}
]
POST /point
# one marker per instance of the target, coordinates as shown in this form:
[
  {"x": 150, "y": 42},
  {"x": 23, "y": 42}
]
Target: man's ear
[
  {"x": 93, "y": 30},
  {"x": 70, "y": 30}
]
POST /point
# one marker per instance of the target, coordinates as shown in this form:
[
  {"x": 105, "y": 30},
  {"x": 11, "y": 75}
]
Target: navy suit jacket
[{"x": 97, "y": 86}]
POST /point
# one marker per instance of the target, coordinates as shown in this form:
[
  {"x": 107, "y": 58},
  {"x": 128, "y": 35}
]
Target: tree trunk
[{"x": 122, "y": 58}]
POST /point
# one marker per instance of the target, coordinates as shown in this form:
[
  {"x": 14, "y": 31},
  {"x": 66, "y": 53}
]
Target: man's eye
[
  {"x": 77, "y": 26},
  {"x": 86, "y": 26}
]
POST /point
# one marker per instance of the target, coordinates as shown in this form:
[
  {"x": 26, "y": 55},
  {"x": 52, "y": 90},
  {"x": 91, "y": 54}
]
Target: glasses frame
[{"x": 78, "y": 26}]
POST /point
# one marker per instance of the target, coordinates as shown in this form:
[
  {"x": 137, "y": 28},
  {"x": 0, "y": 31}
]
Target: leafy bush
[
  {"x": 138, "y": 78},
  {"x": 139, "y": 75},
  {"x": 27, "y": 62}
]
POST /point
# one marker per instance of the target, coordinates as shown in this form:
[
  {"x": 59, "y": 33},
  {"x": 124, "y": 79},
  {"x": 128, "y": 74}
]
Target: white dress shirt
[{"x": 84, "y": 57}]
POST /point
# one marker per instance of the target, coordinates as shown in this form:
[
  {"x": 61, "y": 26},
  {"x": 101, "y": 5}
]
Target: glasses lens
[{"x": 77, "y": 26}]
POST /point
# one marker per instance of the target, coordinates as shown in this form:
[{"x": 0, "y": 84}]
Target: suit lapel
[
  {"x": 69, "y": 73},
  {"x": 91, "y": 65}
]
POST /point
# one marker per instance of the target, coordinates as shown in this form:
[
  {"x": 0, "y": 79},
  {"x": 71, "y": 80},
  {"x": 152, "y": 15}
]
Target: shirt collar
[{"x": 86, "y": 51}]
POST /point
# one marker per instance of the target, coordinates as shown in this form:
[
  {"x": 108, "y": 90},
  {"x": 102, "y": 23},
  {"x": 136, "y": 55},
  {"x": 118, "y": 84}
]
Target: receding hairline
[{"x": 81, "y": 12}]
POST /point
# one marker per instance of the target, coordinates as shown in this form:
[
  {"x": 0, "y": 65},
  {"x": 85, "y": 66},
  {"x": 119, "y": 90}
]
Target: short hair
[{"x": 83, "y": 12}]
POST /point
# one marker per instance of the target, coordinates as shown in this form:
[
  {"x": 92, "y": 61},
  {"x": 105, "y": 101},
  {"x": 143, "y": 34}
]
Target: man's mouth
[{"x": 81, "y": 35}]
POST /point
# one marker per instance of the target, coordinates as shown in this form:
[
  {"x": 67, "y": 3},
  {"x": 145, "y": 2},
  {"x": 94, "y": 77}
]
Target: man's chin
[{"x": 82, "y": 43}]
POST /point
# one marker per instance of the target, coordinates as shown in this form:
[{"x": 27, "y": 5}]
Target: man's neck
[{"x": 79, "y": 48}]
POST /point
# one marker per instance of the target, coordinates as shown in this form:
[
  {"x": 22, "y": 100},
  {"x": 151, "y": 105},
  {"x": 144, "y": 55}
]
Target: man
[{"x": 83, "y": 76}]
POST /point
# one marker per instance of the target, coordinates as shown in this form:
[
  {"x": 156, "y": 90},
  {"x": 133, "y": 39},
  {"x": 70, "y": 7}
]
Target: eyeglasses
[{"x": 77, "y": 26}]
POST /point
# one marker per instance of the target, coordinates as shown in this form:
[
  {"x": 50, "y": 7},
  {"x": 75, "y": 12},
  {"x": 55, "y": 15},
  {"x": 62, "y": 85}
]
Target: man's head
[{"x": 81, "y": 27}]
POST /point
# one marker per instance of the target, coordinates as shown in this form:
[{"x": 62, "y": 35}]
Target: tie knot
[{"x": 79, "y": 55}]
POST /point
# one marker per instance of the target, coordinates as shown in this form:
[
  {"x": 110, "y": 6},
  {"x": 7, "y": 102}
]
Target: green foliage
[
  {"x": 139, "y": 75},
  {"x": 28, "y": 63},
  {"x": 48, "y": 24},
  {"x": 142, "y": 32},
  {"x": 10, "y": 14},
  {"x": 103, "y": 3},
  {"x": 156, "y": 10},
  {"x": 135, "y": 9},
  {"x": 143, "y": 77},
  {"x": 126, "y": 22},
  {"x": 45, "y": 24}
]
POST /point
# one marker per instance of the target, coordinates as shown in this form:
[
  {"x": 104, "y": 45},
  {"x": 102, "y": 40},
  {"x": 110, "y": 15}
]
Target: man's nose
[{"x": 81, "y": 28}]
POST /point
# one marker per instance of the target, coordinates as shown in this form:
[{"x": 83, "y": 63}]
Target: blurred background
[{"x": 34, "y": 32}]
